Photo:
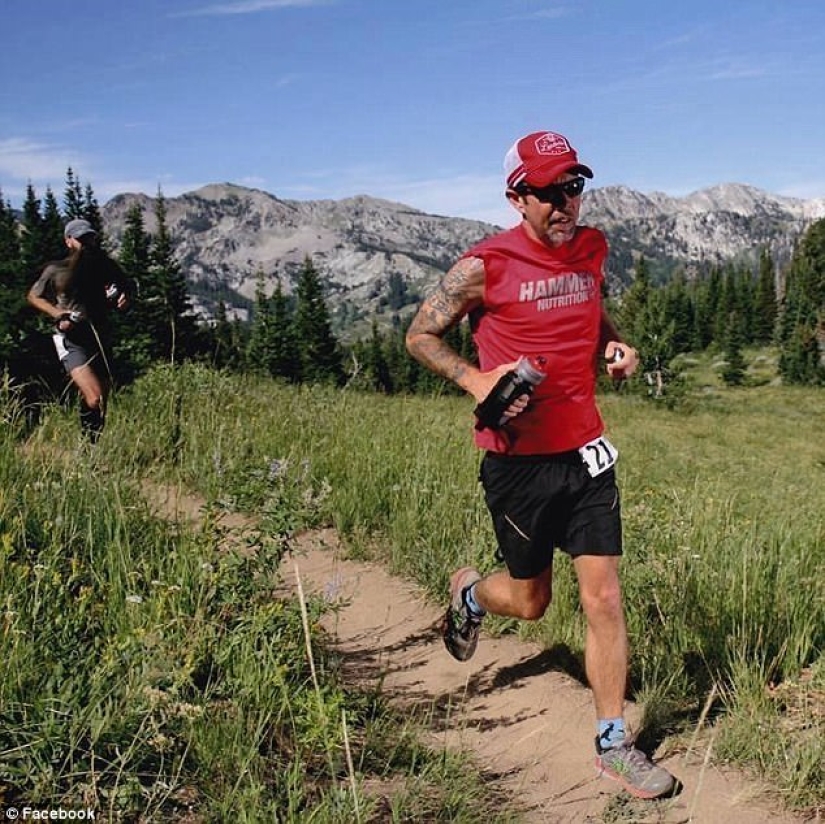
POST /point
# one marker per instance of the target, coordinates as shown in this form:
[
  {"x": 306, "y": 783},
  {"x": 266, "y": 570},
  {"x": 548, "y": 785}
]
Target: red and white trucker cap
[{"x": 539, "y": 158}]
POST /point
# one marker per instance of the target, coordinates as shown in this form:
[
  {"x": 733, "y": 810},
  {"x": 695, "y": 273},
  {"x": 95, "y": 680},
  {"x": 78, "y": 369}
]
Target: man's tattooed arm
[{"x": 460, "y": 291}]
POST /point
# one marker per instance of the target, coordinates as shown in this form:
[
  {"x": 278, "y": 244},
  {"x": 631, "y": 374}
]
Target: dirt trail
[{"x": 525, "y": 720}]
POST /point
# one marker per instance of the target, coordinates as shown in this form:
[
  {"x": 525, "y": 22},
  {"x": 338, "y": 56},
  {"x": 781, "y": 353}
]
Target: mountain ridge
[{"x": 378, "y": 257}]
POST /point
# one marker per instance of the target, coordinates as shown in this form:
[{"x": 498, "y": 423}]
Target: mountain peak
[{"x": 378, "y": 257}]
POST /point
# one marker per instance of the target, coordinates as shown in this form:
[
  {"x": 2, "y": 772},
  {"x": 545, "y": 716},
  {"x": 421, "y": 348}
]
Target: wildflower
[
  {"x": 333, "y": 587},
  {"x": 278, "y": 468}
]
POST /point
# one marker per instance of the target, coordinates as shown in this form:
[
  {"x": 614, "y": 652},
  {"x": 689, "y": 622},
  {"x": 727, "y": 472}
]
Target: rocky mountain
[
  {"x": 728, "y": 222},
  {"x": 377, "y": 257}
]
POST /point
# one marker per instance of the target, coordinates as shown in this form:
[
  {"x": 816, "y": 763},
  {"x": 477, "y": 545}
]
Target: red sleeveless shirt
[{"x": 543, "y": 301}]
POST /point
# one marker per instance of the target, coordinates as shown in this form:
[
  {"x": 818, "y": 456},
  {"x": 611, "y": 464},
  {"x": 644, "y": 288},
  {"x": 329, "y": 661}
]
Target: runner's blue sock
[
  {"x": 611, "y": 732},
  {"x": 472, "y": 605}
]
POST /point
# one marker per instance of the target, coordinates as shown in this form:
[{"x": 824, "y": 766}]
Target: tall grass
[
  {"x": 150, "y": 670},
  {"x": 723, "y": 501},
  {"x": 723, "y": 506}
]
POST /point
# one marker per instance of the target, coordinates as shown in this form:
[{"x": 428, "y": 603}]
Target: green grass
[
  {"x": 150, "y": 671},
  {"x": 723, "y": 501}
]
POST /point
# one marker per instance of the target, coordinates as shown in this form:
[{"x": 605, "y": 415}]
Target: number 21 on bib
[{"x": 598, "y": 455}]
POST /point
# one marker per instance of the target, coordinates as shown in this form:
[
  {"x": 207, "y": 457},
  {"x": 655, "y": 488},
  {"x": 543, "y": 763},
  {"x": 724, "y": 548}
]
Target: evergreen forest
[{"x": 726, "y": 310}]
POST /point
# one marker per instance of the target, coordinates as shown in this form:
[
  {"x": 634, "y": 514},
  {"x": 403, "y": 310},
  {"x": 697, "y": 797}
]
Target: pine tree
[
  {"x": 285, "y": 359},
  {"x": 134, "y": 346},
  {"x": 27, "y": 351},
  {"x": 174, "y": 325},
  {"x": 161, "y": 320},
  {"x": 319, "y": 351},
  {"x": 649, "y": 317},
  {"x": 9, "y": 244},
  {"x": 258, "y": 353},
  {"x": 655, "y": 338},
  {"x": 12, "y": 284},
  {"x": 272, "y": 348},
  {"x": 733, "y": 373},
  {"x": 744, "y": 300},
  {"x": 33, "y": 245},
  {"x": 726, "y": 306},
  {"x": 713, "y": 303},
  {"x": 54, "y": 245},
  {"x": 801, "y": 358},
  {"x": 678, "y": 308},
  {"x": 631, "y": 314},
  {"x": 80, "y": 202},
  {"x": 73, "y": 197},
  {"x": 702, "y": 334},
  {"x": 802, "y": 320},
  {"x": 764, "y": 316},
  {"x": 91, "y": 211},
  {"x": 134, "y": 247},
  {"x": 228, "y": 343},
  {"x": 379, "y": 370},
  {"x": 403, "y": 368}
]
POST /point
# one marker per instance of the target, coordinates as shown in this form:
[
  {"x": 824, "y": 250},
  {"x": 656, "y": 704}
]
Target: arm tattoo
[{"x": 460, "y": 290}]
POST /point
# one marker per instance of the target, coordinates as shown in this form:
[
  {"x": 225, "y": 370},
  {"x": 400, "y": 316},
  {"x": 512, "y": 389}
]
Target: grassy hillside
[
  {"x": 151, "y": 671},
  {"x": 723, "y": 500}
]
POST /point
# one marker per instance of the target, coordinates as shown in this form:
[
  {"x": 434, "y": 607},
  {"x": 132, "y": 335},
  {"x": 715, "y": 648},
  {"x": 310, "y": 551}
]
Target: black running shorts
[{"x": 539, "y": 502}]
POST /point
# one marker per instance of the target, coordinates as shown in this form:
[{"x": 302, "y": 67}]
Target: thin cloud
[
  {"x": 22, "y": 159},
  {"x": 249, "y": 7},
  {"x": 686, "y": 39},
  {"x": 542, "y": 14},
  {"x": 253, "y": 182},
  {"x": 107, "y": 189},
  {"x": 478, "y": 197},
  {"x": 285, "y": 80},
  {"x": 547, "y": 14},
  {"x": 695, "y": 36},
  {"x": 805, "y": 190},
  {"x": 735, "y": 68}
]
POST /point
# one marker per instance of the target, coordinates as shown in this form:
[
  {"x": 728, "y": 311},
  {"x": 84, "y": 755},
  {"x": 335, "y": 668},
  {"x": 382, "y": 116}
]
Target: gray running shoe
[
  {"x": 634, "y": 771},
  {"x": 460, "y": 629}
]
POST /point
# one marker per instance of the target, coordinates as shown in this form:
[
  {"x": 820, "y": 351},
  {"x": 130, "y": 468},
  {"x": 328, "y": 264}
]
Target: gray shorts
[
  {"x": 76, "y": 351},
  {"x": 540, "y": 502}
]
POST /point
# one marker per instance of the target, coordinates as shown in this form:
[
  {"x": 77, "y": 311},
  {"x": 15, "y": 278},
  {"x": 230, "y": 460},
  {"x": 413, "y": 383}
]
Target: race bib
[{"x": 598, "y": 455}]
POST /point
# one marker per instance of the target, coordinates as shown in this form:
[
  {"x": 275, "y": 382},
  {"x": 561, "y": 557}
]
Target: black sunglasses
[{"x": 556, "y": 193}]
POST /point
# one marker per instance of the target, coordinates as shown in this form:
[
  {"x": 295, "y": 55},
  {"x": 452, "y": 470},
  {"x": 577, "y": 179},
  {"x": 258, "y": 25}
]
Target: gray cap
[{"x": 78, "y": 228}]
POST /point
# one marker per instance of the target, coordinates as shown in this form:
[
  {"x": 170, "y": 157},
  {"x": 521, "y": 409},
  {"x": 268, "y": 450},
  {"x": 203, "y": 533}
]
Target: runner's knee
[
  {"x": 93, "y": 399},
  {"x": 602, "y": 601},
  {"x": 533, "y": 610},
  {"x": 531, "y": 605}
]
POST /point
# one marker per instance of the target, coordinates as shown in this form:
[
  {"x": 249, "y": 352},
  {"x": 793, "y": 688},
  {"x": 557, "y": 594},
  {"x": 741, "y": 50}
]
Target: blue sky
[{"x": 414, "y": 101}]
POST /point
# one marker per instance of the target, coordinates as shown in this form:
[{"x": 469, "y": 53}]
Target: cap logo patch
[{"x": 551, "y": 143}]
